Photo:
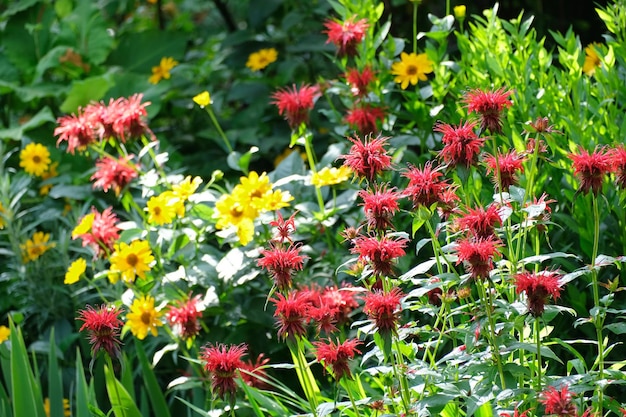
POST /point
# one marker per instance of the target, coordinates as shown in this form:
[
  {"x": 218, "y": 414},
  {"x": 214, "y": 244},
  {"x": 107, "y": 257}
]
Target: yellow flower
[
  {"x": 84, "y": 226},
  {"x": 66, "y": 407},
  {"x": 186, "y": 187},
  {"x": 143, "y": 317},
  {"x": 131, "y": 260},
  {"x": 245, "y": 231},
  {"x": 592, "y": 60},
  {"x": 3, "y": 213},
  {"x": 231, "y": 209},
  {"x": 459, "y": 12},
  {"x": 162, "y": 71},
  {"x": 203, "y": 99},
  {"x": 50, "y": 173},
  {"x": 411, "y": 68},
  {"x": 274, "y": 200},
  {"x": 76, "y": 269},
  {"x": 5, "y": 332},
  {"x": 254, "y": 185},
  {"x": 331, "y": 176},
  {"x": 35, "y": 159},
  {"x": 261, "y": 59},
  {"x": 35, "y": 247},
  {"x": 161, "y": 209}
]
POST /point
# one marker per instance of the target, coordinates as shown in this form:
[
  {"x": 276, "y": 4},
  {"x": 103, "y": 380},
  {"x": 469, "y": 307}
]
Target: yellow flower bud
[
  {"x": 459, "y": 12},
  {"x": 203, "y": 99}
]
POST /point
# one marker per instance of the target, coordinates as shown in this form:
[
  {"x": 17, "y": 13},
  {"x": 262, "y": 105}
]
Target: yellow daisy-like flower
[
  {"x": 131, "y": 260},
  {"x": 75, "y": 270},
  {"x": 50, "y": 173},
  {"x": 143, "y": 317},
  {"x": 162, "y": 71},
  {"x": 5, "y": 332},
  {"x": 261, "y": 59},
  {"x": 186, "y": 187},
  {"x": 592, "y": 59},
  {"x": 66, "y": 407},
  {"x": 2, "y": 214},
  {"x": 203, "y": 99},
  {"x": 231, "y": 209},
  {"x": 274, "y": 200},
  {"x": 161, "y": 209},
  {"x": 331, "y": 176},
  {"x": 84, "y": 226},
  {"x": 35, "y": 159},
  {"x": 245, "y": 231},
  {"x": 254, "y": 185},
  {"x": 33, "y": 248},
  {"x": 411, "y": 69}
]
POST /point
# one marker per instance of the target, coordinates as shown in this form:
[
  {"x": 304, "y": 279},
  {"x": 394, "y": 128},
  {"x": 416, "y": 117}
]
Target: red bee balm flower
[
  {"x": 380, "y": 205},
  {"x": 295, "y": 104},
  {"x": 346, "y": 35},
  {"x": 590, "y": 168},
  {"x": 184, "y": 318},
  {"x": 383, "y": 308},
  {"x": 222, "y": 362},
  {"x": 103, "y": 326},
  {"x": 538, "y": 287},
  {"x": 461, "y": 144},
  {"x": 337, "y": 355},
  {"x": 368, "y": 157},
  {"x": 480, "y": 222},
  {"x": 365, "y": 118},
  {"x": 359, "y": 81},
  {"x": 558, "y": 402},
  {"x": 291, "y": 313},
  {"x": 284, "y": 228},
  {"x": 425, "y": 185},
  {"x": 280, "y": 262},
  {"x": 102, "y": 234},
  {"x": 380, "y": 252},
  {"x": 617, "y": 156},
  {"x": 477, "y": 255},
  {"x": 113, "y": 173},
  {"x": 489, "y": 105},
  {"x": 76, "y": 130},
  {"x": 508, "y": 164}
]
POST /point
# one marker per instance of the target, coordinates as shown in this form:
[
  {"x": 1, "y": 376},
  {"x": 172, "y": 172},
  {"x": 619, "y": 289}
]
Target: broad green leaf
[
  {"x": 43, "y": 116},
  {"x": 155, "y": 393},
  {"x": 55, "y": 381},
  {"x": 121, "y": 401},
  {"x": 81, "y": 404},
  {"x": 25, "y": 391},
  {"x": 85, "y": 91},
  {"x": 139, "y": 52}
]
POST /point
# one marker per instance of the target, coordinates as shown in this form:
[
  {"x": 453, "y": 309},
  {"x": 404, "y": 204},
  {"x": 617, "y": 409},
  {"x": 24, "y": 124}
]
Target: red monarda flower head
[
  {"x": 479, "y": 222},
  {"x": 346, "y": 35},
  {"x": 380, "y": 205},
  {"x": 359, "y": 81},
  {"x": 558, "y": 402},
  {"x": 342, "y": 300},
  {"x": 114, "y": 173},
  {"x": 255, "y": 372},
  {"x": 295, "y": 104},
  {"x": 368, "y": 157},
  {"x": 489, "y": 105},
  {"x": 184, "y": 318},
  {"x": 380, "y": 252},
  {"x": 284, "y": 228},
  {"x": 590, "y": 169},
  {"x": 281, "y": 261},
  {"x": 222, "y": 363},
  {"x": 76, "y": 130},
  {"x": 103, "y": 326},
  {"x": 617, "y": 157},
  {"x": 102, "y": 234},
  {"x": 477, "y": 255},
  {"x": 461, "y": 145},
  {"x": 538, "y": 288},
  {"x": 383, "y": 308},
  {"x": 426, "y": 186},
  {"x": 336, "y": 355},
  {"x": 508, "y": 164},
  {"x": 127, "y": 118},
  {"x": 365, "y": 118},
  {"x": 291, "y": 314}
]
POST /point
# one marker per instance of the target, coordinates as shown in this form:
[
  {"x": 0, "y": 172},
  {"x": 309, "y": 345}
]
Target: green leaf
[
  {"x": 17, "y": 132},
  {"x": 139, "y": 52},
  {"x": 49, "y": 60},
  {"x": 85, "y": 91},
  {"x": 485, "y": 410},
  {"x": 121, "y": 401},
  {"x": 617, "y": 328},
  {"x": 82, "y": 390},
  {"x": 25, "y": 391},
  {"x": 55, "y": 380},
  {"x": 157, "y": 399}
]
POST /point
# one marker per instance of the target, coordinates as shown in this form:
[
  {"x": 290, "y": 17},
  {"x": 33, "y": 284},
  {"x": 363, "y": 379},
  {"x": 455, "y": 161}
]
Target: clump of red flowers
[
  {"x": 477, "y": 255},
  {"x": 185, "y": 318},
  {"x": 112, "y": 173},
  {"x": 489, "y": 105},
  {"x": 103, "y": 327},
  {"x": 538, "y": 288},
  {"x": 380, "y": 205},
  {"x": 365, "y": 118},
  {"x": 346, "y": 35},
  {"x": 380, "y": 252},
  {"x": 590, "y": 169},
  {"x": 295, "y": 104},
  {"x": 504, "y": 168},
  {"x": 367, "y": 157},
  {"x": 461, "y": 144},
  {"x": 102, "y": 234},
  {"x": 383, "y": 309},
  {"x": 359, "y": 80},
  {"x": 617, "y": 158},
  {"x": 222, "y": 363},
  {"x": 336, "y": 355},
  {"x": 558, "y": 402}
]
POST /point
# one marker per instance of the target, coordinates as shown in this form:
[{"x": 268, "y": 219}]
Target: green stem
[
  {"x": 219, "y": 129},
  {"x": 311, "y": 158},
  {"x": 538, "y": 342},
  {"x": 405, "y": 394},
  {"x": 597, "y": 320},
  {"x": 415, "y": 26},
  {"x": 485, "y": 296},
  {"x": 349, "y": 391},
  {"x": 109, "y": 363}
]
